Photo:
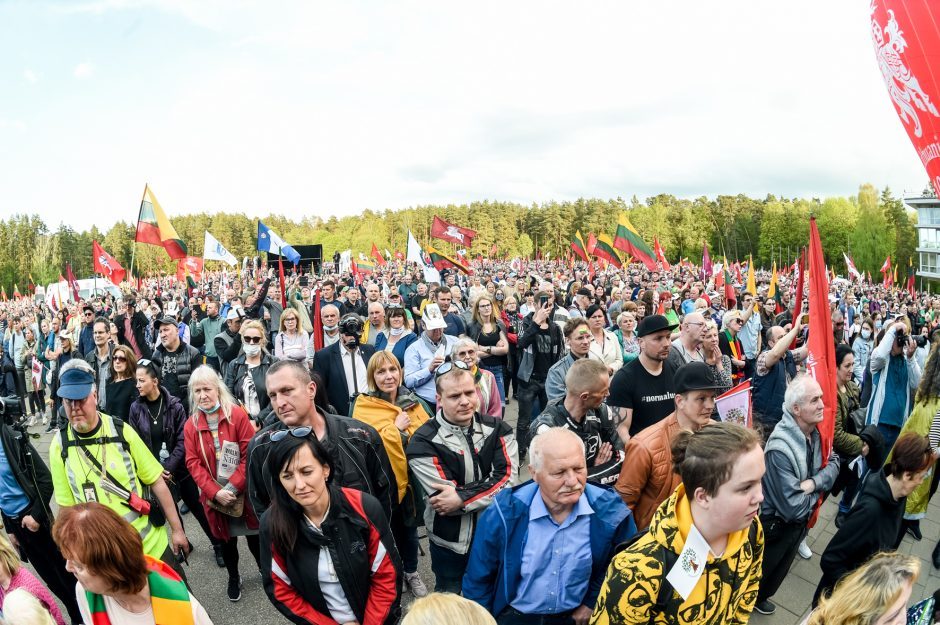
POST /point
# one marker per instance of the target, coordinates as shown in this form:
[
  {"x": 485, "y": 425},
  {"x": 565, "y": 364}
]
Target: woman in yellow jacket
[
  {"x": 716, "y": 508},
  {"x": 396, "y": 413}
]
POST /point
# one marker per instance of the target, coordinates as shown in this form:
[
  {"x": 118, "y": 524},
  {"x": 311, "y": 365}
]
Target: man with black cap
[
  {"x": 100, "y": 458},
  {"x": 343, "y": 364},
  {"x": 582, "y": 299},
  {"x": 228, "y": 342},
  {"x": 175, "y": 359},
  {"x": 86, "y": 341},
  {"x": 648, "y": 478},
  {"x": 642, "y": 392}
]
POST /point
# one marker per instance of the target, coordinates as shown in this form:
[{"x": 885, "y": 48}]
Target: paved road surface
[{"x": 208, "y": 581}]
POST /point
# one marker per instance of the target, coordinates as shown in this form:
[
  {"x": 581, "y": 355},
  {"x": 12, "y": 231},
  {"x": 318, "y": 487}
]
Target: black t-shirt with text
[{"x": 650, "y": 396}]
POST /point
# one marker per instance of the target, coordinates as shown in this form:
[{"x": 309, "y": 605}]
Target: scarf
[
  {"x": 735, "y": 345},
  {"x": 169, "y": 597}
]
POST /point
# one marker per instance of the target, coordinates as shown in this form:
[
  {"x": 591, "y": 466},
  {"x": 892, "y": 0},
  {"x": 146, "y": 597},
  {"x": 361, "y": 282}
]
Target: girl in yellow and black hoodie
[{"x": 723, "y": 465}]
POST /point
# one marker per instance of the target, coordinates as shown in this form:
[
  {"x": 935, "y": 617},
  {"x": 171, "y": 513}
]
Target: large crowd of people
[{"x": 333, "y": 431}]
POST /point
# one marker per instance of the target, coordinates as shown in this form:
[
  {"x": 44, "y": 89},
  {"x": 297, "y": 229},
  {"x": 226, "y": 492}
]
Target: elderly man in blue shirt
[{"x": 542, "y": 548}]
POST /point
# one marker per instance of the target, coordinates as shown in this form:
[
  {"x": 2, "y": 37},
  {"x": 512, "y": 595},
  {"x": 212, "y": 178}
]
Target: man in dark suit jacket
[{"x": 343, "y": 364}]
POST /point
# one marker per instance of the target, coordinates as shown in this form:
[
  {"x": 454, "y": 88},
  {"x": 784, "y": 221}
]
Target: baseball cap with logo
[{"x": 432, "y": 317}]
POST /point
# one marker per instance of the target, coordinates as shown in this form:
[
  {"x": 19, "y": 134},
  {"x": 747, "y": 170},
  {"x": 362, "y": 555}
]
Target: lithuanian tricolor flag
[
  {"x": 153, "y": 228},
  {"x": 605, "y": 249},
  {"x": 578, "y": 247},
  {"x": 442, "y": 261},
  {"x": 626, "y": 238}
]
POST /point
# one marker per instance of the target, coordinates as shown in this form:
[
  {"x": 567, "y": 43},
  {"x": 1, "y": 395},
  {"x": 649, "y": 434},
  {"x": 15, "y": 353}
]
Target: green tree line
[{"x": 869, "y": 226}]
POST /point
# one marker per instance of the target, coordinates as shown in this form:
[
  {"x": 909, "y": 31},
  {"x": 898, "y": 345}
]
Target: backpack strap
[{"x": 68, "y": 441}]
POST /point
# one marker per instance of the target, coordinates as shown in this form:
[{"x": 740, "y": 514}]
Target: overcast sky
[{"x": 328, "y": 108}]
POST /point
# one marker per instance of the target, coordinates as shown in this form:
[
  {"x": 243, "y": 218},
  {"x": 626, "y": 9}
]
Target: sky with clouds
[{"x": 328, "y": 108}]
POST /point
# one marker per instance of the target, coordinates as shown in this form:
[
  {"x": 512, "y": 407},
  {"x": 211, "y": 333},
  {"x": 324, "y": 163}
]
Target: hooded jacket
[
  {"x": 725, "y": 593},
  {"x": 494, "y": 570},
  {"x": 873, "y": 525}
]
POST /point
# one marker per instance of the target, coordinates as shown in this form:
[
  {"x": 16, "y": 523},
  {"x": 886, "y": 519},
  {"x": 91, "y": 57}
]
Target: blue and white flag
[
  {"x": 268, "y": 241},
  {"x": 213, "y": 250}
]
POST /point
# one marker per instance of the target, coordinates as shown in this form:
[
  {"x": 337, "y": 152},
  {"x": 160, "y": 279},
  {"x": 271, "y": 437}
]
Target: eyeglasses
[
  {"x": 89, "y": 314},
  {"x": 119, "y": 359},
  {"x": 252, "y": 340},
  {"x": 301, "y": 432},
  {"x": 448, "y": 366}
]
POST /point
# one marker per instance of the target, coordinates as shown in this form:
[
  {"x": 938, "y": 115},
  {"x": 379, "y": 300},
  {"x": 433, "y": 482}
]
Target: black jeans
[
  {"x": 512, "y": 616},
  {"x": 448, "y": 567},
  {"x": 406, "y": 538},
  {"x": 230, "y": 553},
  {"x": 781, "y": 541},
  {"x": 529, "y": 393},
  {"x": 37, "y": 402},
  {"x": 186, "y": 490},
  {"x": 41, "y": 551}
]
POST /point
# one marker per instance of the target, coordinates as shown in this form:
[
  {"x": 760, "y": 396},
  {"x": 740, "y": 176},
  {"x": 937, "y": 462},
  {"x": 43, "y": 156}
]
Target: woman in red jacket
[{"x": 217, "y": 436}]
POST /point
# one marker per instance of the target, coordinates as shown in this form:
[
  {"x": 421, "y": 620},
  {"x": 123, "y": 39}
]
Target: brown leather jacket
[{"x": 647, "y": 479}]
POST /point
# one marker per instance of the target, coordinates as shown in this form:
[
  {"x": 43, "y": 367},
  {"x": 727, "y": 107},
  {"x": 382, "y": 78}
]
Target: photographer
[
  {"x": 895, "y": 374},
  {"x": 24, "y": 503}
]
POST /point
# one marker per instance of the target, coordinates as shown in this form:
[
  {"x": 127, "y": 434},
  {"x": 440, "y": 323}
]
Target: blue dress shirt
[{"x": 556, "y": 560}]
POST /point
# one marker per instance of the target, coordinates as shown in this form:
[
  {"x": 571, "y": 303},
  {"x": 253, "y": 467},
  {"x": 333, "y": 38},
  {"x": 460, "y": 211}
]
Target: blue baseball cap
[{"x": 75, "y": 384}]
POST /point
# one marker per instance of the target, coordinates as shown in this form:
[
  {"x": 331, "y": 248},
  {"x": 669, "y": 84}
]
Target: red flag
[
  {"x": 661, "y": 255},
  {"x": 399, "y": 255},
  {"x": 906, "y": 38},
  {"x": 73, "y": 283},
  {"x": 106, "y": 265},
  {"x": 706, "y": 263},
  {"x": 886, "y": 267},
  {"x": 821, "y": 359},
  {"x": 280, "y": 275},
  {"x": 379, "y": 259},
  {"x": 446, "y": 231},
  {"x": 798, "y": 301},
  {"x": 189, "y": 266},
  {"x": 591, "y": 244},
  {"x": 591, "y": 272},
  {"x": 317, "y": 324}
]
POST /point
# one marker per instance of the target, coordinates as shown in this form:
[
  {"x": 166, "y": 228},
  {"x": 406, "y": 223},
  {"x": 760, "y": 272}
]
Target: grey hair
[
  {"x": 543, "y": 438},
  {"x": 797, "y": 391},
  {"x": 728, "y": 316},
  {"x": 203, "y": 374},
  {"x": 77, "y": 363},
  {"x": 461, "y": 343}
]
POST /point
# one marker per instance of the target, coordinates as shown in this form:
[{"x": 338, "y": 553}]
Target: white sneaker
[
  {"x": 805, "y": 552},
  {"x": 416, "y": 584}
]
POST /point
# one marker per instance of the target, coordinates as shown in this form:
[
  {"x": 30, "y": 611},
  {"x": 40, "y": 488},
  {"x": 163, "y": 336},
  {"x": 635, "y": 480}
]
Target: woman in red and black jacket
[{"x": 327, "y": 553}]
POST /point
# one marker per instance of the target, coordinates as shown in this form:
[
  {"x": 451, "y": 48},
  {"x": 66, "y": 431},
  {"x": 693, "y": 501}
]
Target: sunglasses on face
[
  {"x": 301, "y": 432},
  {"x": 252, "y": 340},
  {"x": 119, "y": 359}
]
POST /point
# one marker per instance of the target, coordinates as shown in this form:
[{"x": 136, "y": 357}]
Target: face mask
[
  {"x": 878, "y": 325},
  {"x": 214, "y": 409},
  {"x": 252, "y": 350},
  {"x": 332, "y": 328},
  {"x": 397, "y": 331},
  {"x": 866, "y": 334}
]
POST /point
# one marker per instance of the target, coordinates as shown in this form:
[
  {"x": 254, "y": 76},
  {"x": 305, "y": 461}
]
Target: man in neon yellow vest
[{"x": 100, "y": 458}]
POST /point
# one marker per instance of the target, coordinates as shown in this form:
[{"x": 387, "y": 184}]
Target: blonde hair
[
  {"x": 254, "y": 324},
  {"x": 8, "y": 556},
  {"x": 862, "y": 597},
  {"x": 206, "y": 374},
  {"x": 446, "y": 607},
  {"x": 288, "y": 313},
  {"x": 378, "y": 360},
  {"x": 23, "y": 608}
]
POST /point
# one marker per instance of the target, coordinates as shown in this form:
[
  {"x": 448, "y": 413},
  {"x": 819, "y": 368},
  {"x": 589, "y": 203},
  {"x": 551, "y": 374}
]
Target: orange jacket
[{"x": 647, "y": 479}]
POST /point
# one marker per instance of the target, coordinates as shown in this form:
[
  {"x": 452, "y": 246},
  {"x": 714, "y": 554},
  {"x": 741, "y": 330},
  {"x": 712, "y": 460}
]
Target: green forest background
[{"x": 869, "y": 225}]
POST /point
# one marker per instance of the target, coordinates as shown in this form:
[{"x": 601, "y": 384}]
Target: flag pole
[{"x": 134, "y": 245}]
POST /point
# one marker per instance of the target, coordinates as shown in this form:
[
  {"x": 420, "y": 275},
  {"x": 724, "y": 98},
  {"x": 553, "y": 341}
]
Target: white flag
[
  {"x": 734, "y": 406},
  {"x": 213, "y": 250},
  {"x": 416, "y": 255}
]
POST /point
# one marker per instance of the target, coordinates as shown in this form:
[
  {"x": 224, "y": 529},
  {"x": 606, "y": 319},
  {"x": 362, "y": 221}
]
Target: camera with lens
[
  {"x": 12, "y": 412},
  {"x": 351, "y": 324},
  {"x": 919, "y": 340}
]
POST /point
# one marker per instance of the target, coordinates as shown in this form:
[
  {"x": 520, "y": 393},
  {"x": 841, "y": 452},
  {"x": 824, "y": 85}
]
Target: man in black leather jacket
[{"x": 357, "y": 451}]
